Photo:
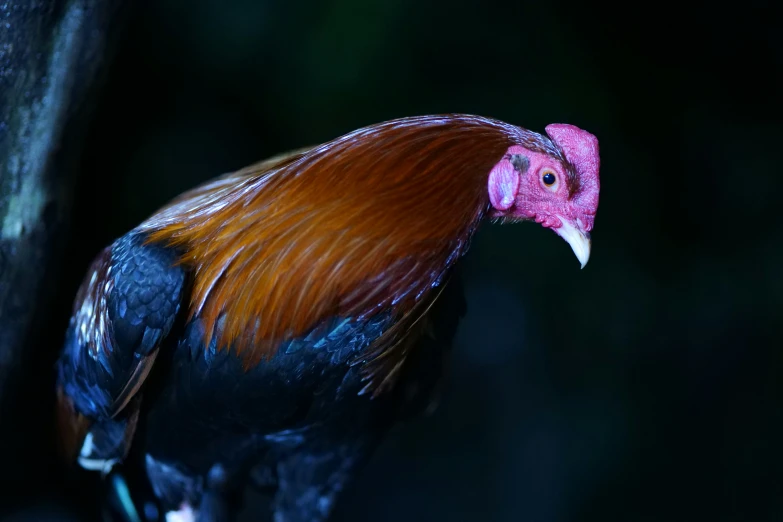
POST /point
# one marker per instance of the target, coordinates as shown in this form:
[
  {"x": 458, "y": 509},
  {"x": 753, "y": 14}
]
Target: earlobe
[{"x": 503, "y": 185}]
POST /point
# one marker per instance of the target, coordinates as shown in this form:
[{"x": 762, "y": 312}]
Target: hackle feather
[{"x": 369, "y": 222}]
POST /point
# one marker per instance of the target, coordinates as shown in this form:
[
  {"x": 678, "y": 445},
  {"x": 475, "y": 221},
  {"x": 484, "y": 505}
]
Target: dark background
[{"x": 646, "y": 387}]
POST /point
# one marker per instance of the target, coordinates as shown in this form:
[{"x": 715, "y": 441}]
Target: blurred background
[{"x": 646, "y": 387}]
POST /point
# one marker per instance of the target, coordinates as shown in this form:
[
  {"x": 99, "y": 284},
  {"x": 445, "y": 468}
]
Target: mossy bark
[{"x": 51, "y": 54}]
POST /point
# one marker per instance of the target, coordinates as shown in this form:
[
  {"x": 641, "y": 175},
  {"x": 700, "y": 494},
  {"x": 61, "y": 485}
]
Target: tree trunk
[{"x": 50, "y": 55}]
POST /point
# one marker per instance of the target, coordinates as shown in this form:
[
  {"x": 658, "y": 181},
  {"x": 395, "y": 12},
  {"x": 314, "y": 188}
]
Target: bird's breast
[{"x": 205, "y": 406}]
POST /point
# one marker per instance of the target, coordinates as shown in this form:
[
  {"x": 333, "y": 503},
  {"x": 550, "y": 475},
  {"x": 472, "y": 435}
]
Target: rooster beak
[{"x": 579, "y": 240}]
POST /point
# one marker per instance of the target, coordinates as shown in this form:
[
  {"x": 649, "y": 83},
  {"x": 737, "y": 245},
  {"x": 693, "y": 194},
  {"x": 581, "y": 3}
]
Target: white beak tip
[{"x": 579, "y": 241}]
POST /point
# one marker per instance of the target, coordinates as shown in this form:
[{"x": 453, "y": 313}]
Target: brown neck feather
[{"x": 368, "y": 222}]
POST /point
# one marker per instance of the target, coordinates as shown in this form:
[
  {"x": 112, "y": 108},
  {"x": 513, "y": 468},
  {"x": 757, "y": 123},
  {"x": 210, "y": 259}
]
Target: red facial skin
[{"x": 522, "y": 194}]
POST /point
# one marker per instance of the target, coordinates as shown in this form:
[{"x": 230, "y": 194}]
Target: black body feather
[{"x": 204, "y": 427}]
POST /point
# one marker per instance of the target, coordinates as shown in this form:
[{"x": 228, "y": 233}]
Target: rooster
[{"x": 271, "y": 325}]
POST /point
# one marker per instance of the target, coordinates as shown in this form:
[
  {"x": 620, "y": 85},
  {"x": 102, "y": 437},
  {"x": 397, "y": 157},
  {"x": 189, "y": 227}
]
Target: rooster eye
[{"x": 549, "y": 178}]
